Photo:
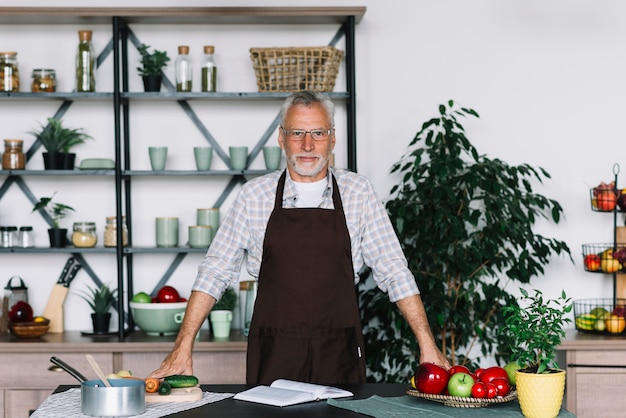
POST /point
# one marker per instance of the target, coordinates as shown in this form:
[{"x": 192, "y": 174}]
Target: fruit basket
[
  {"x": 460, "y": 402},
  {"x": 600, "y": 316},
  {"x": 604, "y": 258},
  {"x": 296, "y": 69},
  {"x": 29, "y": 329}
]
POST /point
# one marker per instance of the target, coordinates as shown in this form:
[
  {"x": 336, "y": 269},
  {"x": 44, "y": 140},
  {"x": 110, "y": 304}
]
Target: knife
[{"x": 54, "y": 308}]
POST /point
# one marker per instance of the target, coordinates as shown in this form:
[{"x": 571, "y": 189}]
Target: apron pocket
[{"x": 324, "y": 356}]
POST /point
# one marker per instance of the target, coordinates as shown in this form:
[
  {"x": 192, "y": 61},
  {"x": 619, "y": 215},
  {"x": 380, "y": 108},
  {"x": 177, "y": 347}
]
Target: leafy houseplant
[
  {"x": 56, "y": 212},
  {"x": 221, "y": 315},
  {"x": 58, "y": 141},
  {"x": 465, "y": 223},
  {"x": 535, "y": 331},
  {"x": 152, "y": 65},
  {"x": 100, "y": 299}
]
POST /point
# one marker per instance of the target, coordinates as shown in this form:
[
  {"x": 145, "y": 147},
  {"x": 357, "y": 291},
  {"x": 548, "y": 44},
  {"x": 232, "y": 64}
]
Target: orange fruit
[{"x": 615, "y": 324}]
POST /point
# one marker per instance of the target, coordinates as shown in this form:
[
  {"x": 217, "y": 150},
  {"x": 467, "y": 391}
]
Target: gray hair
[{"x": 308, "y": 98}]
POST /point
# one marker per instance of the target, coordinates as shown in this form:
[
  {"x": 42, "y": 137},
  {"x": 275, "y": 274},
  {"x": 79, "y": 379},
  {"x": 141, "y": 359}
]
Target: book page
[
  {"x": 275, "y": 396},
  {"x": 319, "y": 391}
]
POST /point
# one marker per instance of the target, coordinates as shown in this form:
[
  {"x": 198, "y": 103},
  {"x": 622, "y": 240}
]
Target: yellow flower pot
[{"x": 540, "y": 395}]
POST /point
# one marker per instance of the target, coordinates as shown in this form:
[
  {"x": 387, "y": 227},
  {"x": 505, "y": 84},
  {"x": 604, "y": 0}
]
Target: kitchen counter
[
  {"x": 231, "y": 408},
  {"x": 28, "y": 376}
]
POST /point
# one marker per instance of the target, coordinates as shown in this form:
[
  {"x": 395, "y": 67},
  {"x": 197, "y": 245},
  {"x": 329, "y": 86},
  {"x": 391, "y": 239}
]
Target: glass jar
[
  {"x": 183, "y": 69},
  {"x": 9, "y": 72},
  {"x": 44, "y": 80},
  {"x": 84, "y": 235},
  {"x": 8, "y": 236},
  {"x": 209, "y": 70},
  {"x": 25, "y": 237},
  {"x": 13, "y": 157},
  {"x": 85, "y": 63},
  {"x": 110, "y": 232}
]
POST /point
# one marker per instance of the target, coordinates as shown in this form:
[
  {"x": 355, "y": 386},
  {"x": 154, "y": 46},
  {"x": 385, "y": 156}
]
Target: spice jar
[
  {"x": 25, "y": 237},
  {"x": 9, "y": 73},
  {"x": 110, "y": 232},
  {"x": 44, "y": 80},
  {"x": 8, "y": 236},
  {"x": 13, "y": 157},
  {"x": 84, "y": 234}
]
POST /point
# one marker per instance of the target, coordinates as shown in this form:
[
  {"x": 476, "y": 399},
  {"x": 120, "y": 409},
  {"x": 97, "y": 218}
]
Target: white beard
[{"x": 308, "y": 170}]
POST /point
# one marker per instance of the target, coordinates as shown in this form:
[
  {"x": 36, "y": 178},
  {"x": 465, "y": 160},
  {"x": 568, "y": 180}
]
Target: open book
[{"x": 284, "y": 392}]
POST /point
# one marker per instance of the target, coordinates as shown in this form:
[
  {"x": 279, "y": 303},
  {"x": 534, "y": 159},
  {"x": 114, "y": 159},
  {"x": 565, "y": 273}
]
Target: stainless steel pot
[{"x": 124, "y": 398}]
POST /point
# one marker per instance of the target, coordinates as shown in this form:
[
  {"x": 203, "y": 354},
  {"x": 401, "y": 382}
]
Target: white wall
[{"x": 545, "y": 76}]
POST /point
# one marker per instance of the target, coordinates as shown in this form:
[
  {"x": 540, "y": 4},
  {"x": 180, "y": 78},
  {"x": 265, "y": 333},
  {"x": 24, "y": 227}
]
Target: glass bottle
[
  {"x": 9, "y": 72},
  {"x": 13, "y": 157},
  {"x": 110, "y": 232},
  {"x": 85, "y": 63},
  {"x": 209, "y": 70},
  {"x": 183, "y": 69},
  {"x": 44, "y": 80},
  {"x": 84, "y": 234}
]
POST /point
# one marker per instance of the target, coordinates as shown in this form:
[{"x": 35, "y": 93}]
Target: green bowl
[{"x": 158, "y": 318}]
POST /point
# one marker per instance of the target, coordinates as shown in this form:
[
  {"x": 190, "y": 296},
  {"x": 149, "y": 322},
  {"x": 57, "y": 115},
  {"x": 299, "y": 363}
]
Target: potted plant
[
  {"x": 54, "y": 212},
  {"x": 535, "y": 329},
  {"x": 100, "y": 299},
  {"x": 151, "y": 69},
  {"x": 466, "y": 225},
  {"x": 221, "y": 315},
  {"x": 58, "y": 141}
]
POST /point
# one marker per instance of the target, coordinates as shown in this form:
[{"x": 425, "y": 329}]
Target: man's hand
[{"x": 179, "y": 360}]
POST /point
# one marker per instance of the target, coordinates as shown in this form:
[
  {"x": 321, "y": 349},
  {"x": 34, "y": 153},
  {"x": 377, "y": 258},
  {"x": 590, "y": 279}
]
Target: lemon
[{"x": 39, "y": 319}]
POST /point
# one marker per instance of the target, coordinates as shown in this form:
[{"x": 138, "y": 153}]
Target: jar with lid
[
  {"x": 8, "y": 236},
  {"x": 44, "y": 80},
  {"x": 84, "y": 235},
  {"x": 25, "y": 237},
  {"x": 209, "y": 70},
  {"x": 9, "y": 72},
  {"x": 183, "y": 69},
  {"x": 13, "y": 157},
  {"x": 110, "y": 232},
  {"x": 85, "y": 63}
]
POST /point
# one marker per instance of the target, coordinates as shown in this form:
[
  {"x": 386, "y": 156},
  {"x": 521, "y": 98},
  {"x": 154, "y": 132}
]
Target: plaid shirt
[{"x": 242, "y": 232}]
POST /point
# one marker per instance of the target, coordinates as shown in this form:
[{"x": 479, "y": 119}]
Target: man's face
[{"x": 307, "y": 158}]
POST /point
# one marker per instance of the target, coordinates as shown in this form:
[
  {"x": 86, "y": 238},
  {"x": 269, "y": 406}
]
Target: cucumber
[
  {"x": 181, "y": 381},
  {"x": 165, "y": 388}
]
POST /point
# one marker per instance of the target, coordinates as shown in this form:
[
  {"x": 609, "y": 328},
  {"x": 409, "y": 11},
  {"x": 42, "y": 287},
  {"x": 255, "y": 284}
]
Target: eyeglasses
[{"x": 299, "y": 134}]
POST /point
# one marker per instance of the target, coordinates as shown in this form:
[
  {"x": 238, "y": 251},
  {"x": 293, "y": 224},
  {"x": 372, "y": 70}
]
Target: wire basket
[
  {"x": 606, "y": 200},
  {"x": 296, "y": 68},
  {"x": 604, "y": 258},
  {"x": 600, "y": 316}
]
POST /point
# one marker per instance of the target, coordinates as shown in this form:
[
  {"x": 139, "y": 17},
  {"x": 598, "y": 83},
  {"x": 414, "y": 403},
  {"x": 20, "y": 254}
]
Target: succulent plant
[{"x": 100, "y": 299}]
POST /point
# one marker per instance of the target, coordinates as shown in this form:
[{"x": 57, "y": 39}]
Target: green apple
[
  {"x": 460, "y": 384},
  {"x": 510, "y": 369},
  {"x": 142, "y": 297},
  {"x": 599, "y": 312}
]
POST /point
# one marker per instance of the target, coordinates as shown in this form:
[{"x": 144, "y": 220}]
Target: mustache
[{"x": 307, "y": 155}]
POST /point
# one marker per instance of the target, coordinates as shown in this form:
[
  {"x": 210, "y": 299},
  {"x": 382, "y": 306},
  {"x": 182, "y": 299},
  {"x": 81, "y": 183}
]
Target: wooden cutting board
[{"x": 177, "y": 395}]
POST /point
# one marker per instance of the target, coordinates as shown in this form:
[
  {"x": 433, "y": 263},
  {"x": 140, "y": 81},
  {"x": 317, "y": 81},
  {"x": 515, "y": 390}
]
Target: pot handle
[{"x": 72, "y": 371}]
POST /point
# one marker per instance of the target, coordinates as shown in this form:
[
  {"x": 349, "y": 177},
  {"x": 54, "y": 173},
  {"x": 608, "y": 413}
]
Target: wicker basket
[{"x": 296, "y": 69}]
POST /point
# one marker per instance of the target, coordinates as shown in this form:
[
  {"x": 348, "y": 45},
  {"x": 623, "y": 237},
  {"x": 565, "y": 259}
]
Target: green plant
[
  {"x": 56, "y": 138},
  {"x": 465, "y": 223},
  {"x": 228, "y": 301},
  {"x": 536, "y": 329},
  {"x": 151, "y": 63},
  {"x": 100, "y": 299},
  {"x": 57, "y": 211}
]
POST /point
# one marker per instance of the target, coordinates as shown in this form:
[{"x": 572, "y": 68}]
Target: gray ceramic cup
[
  {"x": 272, "y": 157},
  {"x": 167, "y": 232},
  {"x": 203, "y": 157},
  {"x": 200, "y": 236},
  {"x": 158, "y": 157},
  {"x": 238, "y": 157}
]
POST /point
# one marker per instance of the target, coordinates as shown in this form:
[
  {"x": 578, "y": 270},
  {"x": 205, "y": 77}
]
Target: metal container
[{"x": 125, "y": 397}]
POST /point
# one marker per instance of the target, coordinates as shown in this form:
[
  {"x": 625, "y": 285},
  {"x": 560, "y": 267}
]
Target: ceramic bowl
[
  {"x": 158, "y": 318},
  {"x": 29, "y": 329}
]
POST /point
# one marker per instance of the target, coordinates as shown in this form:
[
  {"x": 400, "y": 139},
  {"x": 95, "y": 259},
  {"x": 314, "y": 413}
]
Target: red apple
[
  {"x": 167, "y": 294},
  {"x": 430, "y": 378},
  {"x": 493, "y": 372},
  {"x": 458, "y": 368},
  {"x": 593, "y": 262},
  {"x": 21, "y": 312},
  {"x": 479, "y": 390},
  {"x": 492, "y": 392},
  {"x": 503, "y": 387}
]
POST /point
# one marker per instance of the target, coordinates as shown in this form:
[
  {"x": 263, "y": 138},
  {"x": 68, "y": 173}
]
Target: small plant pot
[
  {"x": 152, "y": 83},
  {"x": 540, "y": 395},
  {"x": 101, "y": 322},
  {"x": 58, "y": 237},
  {"x": 68, "y": 160},
  {"x": 53, "y": 160}
]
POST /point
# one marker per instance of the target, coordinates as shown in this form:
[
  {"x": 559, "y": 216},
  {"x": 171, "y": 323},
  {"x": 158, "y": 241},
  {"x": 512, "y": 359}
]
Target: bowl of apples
[{"x": 159, "y": 315}]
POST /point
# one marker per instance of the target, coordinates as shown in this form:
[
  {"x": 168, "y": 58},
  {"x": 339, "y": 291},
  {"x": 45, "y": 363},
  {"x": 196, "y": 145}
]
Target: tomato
[
  {"x": 458, "y": 369},
  {"x": 479, "y": 390},
  {"x": 430, "y": 378},
  {"x": 21, "y": 312},
  {"x": 493, "y": 372},
  {"x": 492, "y": 391},
  {"x": 167, "y": 294},
  {"x": 503, "y": 387}
]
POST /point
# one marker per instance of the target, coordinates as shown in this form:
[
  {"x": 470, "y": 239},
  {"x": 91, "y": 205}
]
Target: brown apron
[{"x": 306, "y": 324}]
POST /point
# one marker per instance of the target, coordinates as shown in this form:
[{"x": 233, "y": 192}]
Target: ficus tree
[{"x": 466, "y": 225}]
